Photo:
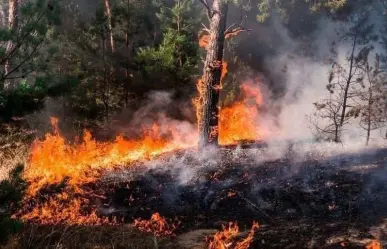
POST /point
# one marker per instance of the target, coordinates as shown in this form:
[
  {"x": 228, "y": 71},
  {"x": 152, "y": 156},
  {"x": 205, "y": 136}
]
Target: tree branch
[
  {"x": 209, "y": 9},
  {"x": 235, "y": 29},
  {"x": 234, "y": 32}
]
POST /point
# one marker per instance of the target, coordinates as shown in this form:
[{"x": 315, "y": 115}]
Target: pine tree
[
  {"x": 176, "y": 57},
  {"x": 21, "y": 44}
]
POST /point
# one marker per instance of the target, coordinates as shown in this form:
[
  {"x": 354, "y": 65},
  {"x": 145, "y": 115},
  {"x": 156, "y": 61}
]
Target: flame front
[
  {"x": 54, "y": 158},
  {"x": 226, "y": 239}
]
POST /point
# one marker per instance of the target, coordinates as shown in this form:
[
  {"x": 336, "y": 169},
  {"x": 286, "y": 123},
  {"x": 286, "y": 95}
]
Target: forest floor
[{"x": 328, "y": 200}]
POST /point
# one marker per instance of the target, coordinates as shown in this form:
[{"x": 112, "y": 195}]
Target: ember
[{"x": 374, "y": 245}]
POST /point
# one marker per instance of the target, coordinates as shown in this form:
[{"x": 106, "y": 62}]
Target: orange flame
[
  {"x": 233, "y": 33},
  {"x": 374, "y": 245},
  {"x": 225, "y": 239},
  {"x": 157, "y": 225},
  {"x": 54, "y": 158},
  {"x": 204, "y": 39},
  {"x": 63, "y": 209},
  {"x": 239, "y": 121}
]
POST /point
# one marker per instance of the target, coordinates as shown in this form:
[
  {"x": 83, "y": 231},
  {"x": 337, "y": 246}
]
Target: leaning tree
[{"x": 210, "y": 85}]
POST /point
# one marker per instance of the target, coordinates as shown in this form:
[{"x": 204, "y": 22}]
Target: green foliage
[
  {"x": 282, "y": 7},
  {"x": 11, "y": 194},
  {"x": 176, "y": 57},
  {"x": 27, "y": 97},
  {"x": 23, "y": 47}
]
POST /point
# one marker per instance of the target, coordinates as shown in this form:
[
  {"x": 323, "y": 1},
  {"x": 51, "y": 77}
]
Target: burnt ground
[
  {"x": 309, "y": 203},
  {"x": 313, "y": 200}
]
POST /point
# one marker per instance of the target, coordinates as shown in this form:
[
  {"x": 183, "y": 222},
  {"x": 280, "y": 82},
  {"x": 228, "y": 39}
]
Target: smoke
[{"x": 300, "y": 68}]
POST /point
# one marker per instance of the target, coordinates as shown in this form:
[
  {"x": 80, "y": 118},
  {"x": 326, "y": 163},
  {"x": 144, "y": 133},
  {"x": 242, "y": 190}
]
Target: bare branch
[
  {"x": 234, "y": 32},
  {"x": 205, "y": 28},
  {"x": 235, "y": 29},
  {"x": 207, "y": 6}
]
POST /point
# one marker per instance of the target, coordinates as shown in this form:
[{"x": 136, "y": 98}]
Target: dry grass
[
  {"x": 106, "y": 237},
  {"x": 14, "y": 144}
]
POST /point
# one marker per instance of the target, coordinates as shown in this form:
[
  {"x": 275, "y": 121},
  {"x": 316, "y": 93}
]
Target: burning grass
[
  {"x": 317, "y": 199},
  {"x": 15, "y": 143},
  {"x": 156, "y": 225},
  {"x": 226, "y": 238},
  {"x": 84, "y": 237}
]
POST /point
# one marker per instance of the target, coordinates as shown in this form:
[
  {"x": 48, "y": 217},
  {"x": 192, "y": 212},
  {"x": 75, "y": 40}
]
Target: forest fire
[
  {"x": 58, "y": 161},
  {"x": 65, "y": 209},
  {"x": 226, "y": 238},
  {"x": 54, "y": 160}
]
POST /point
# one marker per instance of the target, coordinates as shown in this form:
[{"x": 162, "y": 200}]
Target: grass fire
[{"x": 184, "y": 124}]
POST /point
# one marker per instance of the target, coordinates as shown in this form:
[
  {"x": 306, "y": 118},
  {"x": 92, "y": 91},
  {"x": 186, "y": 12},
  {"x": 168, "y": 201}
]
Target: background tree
[
  {"x": 175, "y": 59},
  {"x": 21, "y": 44},
  {"x": 345, "y": 79},
  {"x": 372, "y": 98}
]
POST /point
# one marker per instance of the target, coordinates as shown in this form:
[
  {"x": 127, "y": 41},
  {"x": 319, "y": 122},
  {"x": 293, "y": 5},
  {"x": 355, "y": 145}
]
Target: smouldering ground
[
  {"x": 302, "y": 198},
  {"x": 304, "y": 201}
]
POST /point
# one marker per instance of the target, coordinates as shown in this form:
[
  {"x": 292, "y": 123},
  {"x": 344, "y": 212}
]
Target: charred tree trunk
[
  {"x": 369, "y": 113},
  {"x": 109, "y": 16},
  {"x": 348, "y": 82},
  {"x": 12, "y": 25},
  {"x": 209, "y": 109}
]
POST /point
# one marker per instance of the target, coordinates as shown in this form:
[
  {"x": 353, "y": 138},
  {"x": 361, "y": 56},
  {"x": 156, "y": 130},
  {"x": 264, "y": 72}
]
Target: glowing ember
[
  {"x": 157, "y": 225},
  {"x": 204, "y": 40},
  {"x": 226, "y": 239},
  {"x": 374, "y": 245},
  {"x": 233, "y": 33}
]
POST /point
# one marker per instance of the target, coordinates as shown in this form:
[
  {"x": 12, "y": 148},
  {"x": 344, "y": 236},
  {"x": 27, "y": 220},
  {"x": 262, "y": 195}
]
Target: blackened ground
[{"x": 304, "y": 204}]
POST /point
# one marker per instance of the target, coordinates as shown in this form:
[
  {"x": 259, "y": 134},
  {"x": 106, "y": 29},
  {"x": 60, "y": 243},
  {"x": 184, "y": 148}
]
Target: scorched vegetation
[{"x": 217, "y": 124}]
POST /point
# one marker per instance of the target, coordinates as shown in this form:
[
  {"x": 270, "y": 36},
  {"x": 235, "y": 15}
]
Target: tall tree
[
  {"x": 110, "y": 25},
  {"x": 372, "y": 98},
  {"x": 346, "y": 79},
  {"x": 21, "y": 42},
  {"x": 13, "y": 22},
  {"x": 173, "y": 61},
  {"x": 210, "y": 85}
]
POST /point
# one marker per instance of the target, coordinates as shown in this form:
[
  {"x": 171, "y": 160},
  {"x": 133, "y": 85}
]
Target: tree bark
[
  {"x": 369, "y": 114},
  {"x": 348, "y": 82},
  {"x": 209, "y": 109},
  {"x": 109, "y": 16},
  {"x": 12, "y": 26}
]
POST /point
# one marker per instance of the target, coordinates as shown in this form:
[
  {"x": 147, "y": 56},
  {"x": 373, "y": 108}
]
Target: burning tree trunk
[
  {"x": 13, "y": 25},
  {"x": 210, "y": 83}
]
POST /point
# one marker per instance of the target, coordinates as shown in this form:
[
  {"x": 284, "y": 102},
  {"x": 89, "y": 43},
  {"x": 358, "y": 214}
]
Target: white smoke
[{"x": 306, "y": 78}]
